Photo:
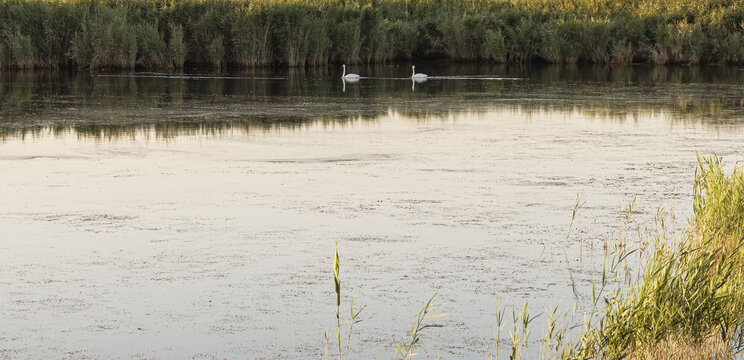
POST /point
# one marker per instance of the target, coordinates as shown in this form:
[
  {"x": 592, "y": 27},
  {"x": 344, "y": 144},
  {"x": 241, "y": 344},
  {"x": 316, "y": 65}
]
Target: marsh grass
[
  {"x": 153, "y": 49},
  {"x": 678, "y": 298},
  {"x": 176, "y": 46},
  {"x": 689, "y": 298},
  {"x": 658, "y": 297},
  {"x": 243, "y": 33},
  {"x": 106, "y": 39}
]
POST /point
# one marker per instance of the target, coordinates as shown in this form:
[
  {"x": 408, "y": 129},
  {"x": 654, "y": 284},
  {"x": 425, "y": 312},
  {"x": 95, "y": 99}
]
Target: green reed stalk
[
  {"x": 337, "y": 288},
  {"x": 406, "y": 347}
]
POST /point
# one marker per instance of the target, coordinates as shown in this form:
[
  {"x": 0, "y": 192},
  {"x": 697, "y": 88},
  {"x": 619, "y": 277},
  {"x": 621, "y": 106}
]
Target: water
[{"x": 195, "y": 216}]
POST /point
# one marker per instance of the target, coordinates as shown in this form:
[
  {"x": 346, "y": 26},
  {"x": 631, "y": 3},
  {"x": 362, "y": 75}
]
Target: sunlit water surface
[{"x": 195, "y": 216}]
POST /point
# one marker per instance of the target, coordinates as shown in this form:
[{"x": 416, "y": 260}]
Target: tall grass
[
  {"x": 248, "y": 33},
  {"x": 689, "y": 301},
  {"x": 21, "y": 50},
  {"x": 106, "y": 39},
  {"x": 686, "y": 300},
  {"x": 665, "y": 298},
  {"x": 176, "y": 46}
]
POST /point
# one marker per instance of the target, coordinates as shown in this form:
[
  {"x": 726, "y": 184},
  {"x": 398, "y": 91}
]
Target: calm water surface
[{"x": 195, "y": 215}]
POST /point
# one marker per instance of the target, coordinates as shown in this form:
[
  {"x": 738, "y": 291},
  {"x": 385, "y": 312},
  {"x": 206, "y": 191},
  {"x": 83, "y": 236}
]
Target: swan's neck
[
  {"x": 344, "y": 74},
  {"x": 413, "y": 72}
]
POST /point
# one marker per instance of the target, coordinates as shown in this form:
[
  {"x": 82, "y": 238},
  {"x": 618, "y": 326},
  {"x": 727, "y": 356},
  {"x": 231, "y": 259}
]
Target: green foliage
[
  {"x": 689, "y": 300},
  {"x": 719, "y": 202},
  {"x": 21, "y": 50},
  {"x": 557, "y": 45},
  {"x": 347, "y": 37},
  {"x": 594, "y": 41},
  {"x": 469, "y": 37},
  {"x": 106, "y": 39},
  {"x": 679, "y": 43},
  {"x": 252, "y": 36},
  {"x": 679, "y": 298},
  {"x": 209, "y": 35},
  {"x": 216, "y": 51},
  {"x": 249, "y": 33},
  {"x": 353, "y": 315},
  {"x": 404, "y": 349},
  {"x": 176, "y": 46},
  {"x": 295, "y": 29},
  {"x": 153, "y": 50},
  {"x": 524, "y": 40}
]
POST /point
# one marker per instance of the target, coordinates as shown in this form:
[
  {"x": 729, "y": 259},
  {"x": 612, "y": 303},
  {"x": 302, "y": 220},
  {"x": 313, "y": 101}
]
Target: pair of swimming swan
[{"x": 355, "y": 77}]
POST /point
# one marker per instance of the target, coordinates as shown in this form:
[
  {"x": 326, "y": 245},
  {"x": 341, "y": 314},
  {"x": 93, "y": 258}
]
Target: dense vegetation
[
  {"x": 681, "y": 298},
  {"x": 688, "y": 301},
  {"x": 664, "y": 297},
  {"x": 166, "y": 34}
]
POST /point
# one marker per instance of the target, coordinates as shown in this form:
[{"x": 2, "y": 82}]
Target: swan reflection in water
[
  {"x": 415, "y": 81},
  {"x": 350, "y": 81}
]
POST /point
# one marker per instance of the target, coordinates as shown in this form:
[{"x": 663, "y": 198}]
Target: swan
[
  {"x": 418, "y": 76},
  {"x": 349, "y": 77}
]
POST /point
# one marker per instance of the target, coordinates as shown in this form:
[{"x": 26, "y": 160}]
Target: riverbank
[
  {"x": 657, "y": 296},
  {"x": 164, "y": 35},
  {"x": 688, "y": 301}
]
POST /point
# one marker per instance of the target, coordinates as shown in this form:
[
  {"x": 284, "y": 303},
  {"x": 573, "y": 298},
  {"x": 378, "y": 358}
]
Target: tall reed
[
  {"x": 249, "y": 33},
  {"x": 657, "y": 298},
  {"x": 404, "y": 348},
  {"x": 687, "y": 299}
]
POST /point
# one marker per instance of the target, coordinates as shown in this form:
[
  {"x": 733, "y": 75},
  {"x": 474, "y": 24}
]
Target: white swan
[
  {"x": 349, "y": 77},
  {"x": 418, "y": 76}
]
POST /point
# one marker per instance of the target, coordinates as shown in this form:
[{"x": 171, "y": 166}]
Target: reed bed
[
  {"x": 666, "y": 297},
  {"x": 167, "y": 34},
  {"x": 662, "y": 297}
]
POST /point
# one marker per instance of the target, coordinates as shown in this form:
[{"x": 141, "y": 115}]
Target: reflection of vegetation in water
[
  {"x": 161, "y": 130},
  {"x": 121, "y": 104}
]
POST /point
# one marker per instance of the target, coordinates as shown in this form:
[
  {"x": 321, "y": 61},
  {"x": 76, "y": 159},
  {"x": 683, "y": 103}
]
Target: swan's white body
[
  {"x": 349, "y": 77},
  {"x": 418, "y": 76}
]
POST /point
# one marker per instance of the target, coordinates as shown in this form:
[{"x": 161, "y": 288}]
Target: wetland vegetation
[
  {"x": 167, "y": 35},
  {"x": 687, "y": 299},
  {"x": 656, "y": 295}
]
